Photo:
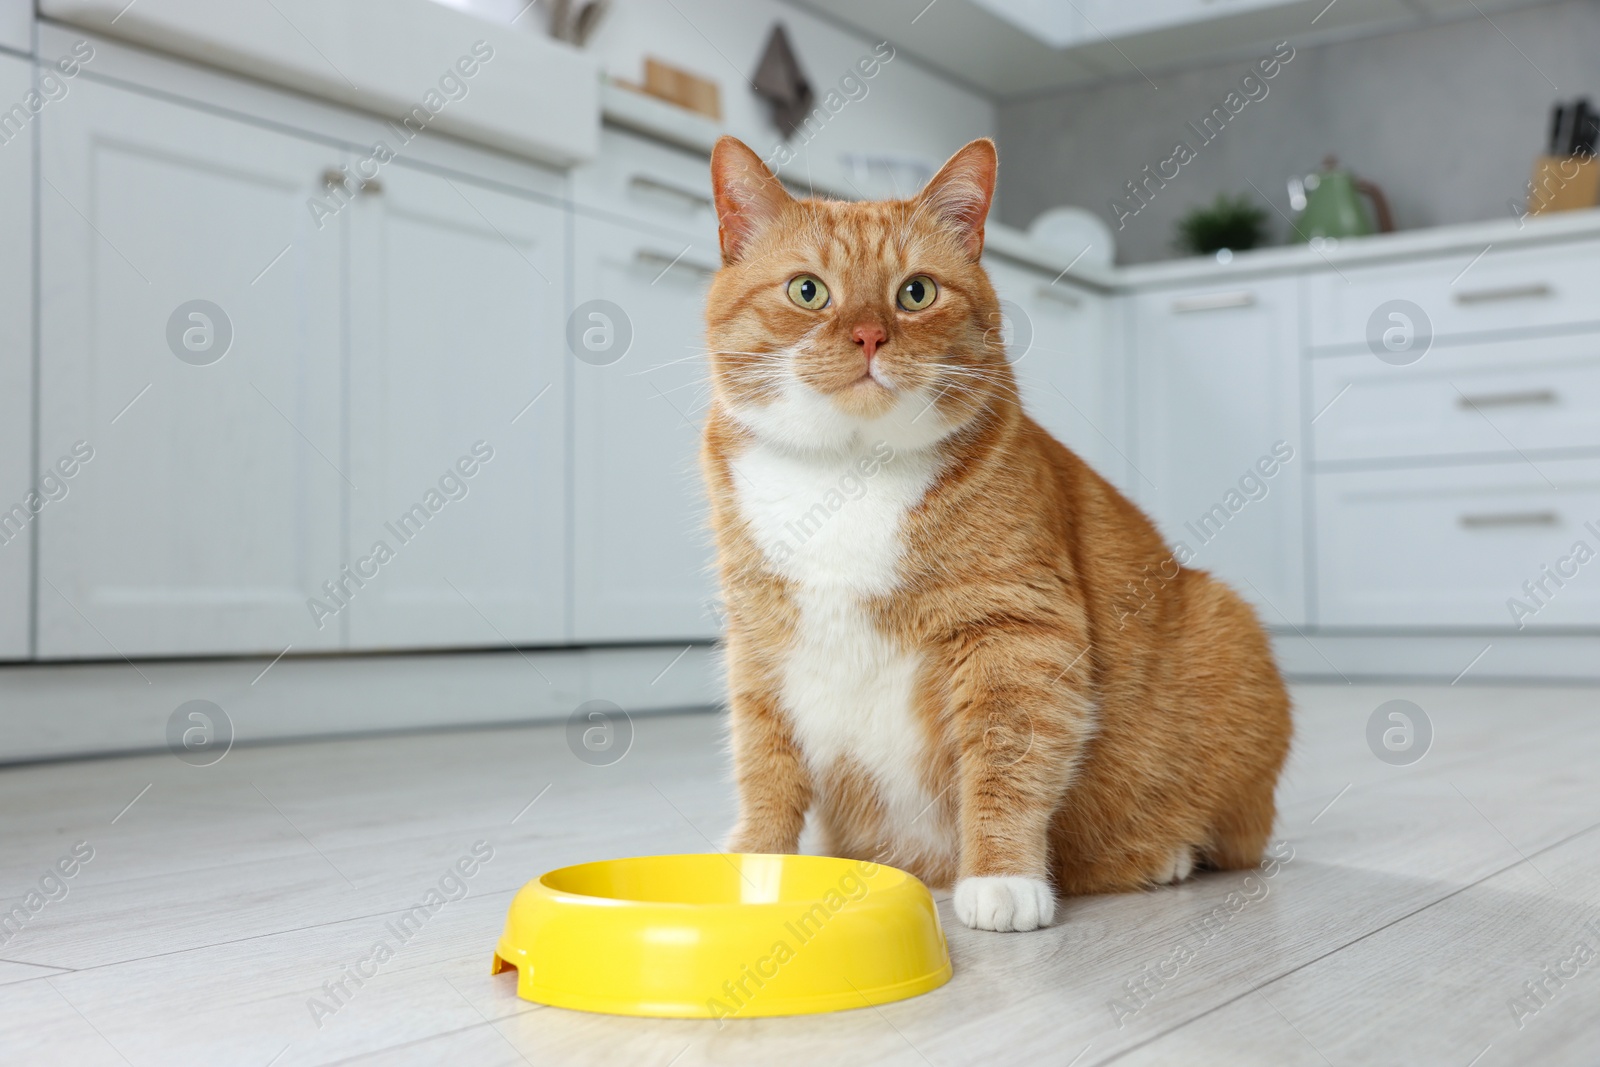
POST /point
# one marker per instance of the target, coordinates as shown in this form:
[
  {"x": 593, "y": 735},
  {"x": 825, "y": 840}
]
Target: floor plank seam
[
  {"x": 47, "y": 966},
  {"x": 490, "y": 1023},
  {"x": 1256, "y": 990},
  {"x": 207, "y": 868},
  {"x": 238, "y": 941},
  {"x": 406, "y": 1044}
]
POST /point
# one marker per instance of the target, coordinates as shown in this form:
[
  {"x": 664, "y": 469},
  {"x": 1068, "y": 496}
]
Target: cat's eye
[
  {"x": 918, "y": 293},
  {"x": 809, "y": 292}
]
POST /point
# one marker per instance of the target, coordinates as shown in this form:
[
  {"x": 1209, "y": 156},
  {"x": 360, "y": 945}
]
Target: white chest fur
[{"x": 834, "y": 526}]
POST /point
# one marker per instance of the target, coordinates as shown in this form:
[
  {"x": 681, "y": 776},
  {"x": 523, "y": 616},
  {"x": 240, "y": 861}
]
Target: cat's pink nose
[{"x": 869, "y": 336}]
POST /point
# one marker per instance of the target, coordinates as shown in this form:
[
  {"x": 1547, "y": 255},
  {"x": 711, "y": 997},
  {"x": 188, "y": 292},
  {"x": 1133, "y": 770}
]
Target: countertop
[{"x": 1466, "y": 239}]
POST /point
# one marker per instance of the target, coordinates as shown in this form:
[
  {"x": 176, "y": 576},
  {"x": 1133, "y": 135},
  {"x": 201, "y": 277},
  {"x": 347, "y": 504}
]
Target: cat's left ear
[
  {"x": 961, "y": 192},
  {"x": 747, "y": 195}
]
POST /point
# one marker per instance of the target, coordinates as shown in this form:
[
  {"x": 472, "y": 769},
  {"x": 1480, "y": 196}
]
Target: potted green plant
[{"x": 1232, "y": 223}]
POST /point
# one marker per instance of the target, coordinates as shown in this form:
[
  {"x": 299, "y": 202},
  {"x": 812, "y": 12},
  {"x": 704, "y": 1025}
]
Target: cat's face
[{"x": 835, "y": 323}]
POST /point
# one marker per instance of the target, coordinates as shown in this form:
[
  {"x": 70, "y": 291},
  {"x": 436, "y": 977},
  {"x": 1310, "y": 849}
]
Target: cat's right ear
[{"x": 748, "y": 197}]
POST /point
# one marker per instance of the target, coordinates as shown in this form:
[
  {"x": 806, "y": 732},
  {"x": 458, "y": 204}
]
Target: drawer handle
[
  {"x": 1510, "y": 292},
  {"x": 693, "y": 199},
  {"x": 334, "y": 178},
  {"x": 1495, "y": 519},
  {"x": 1060, "y": 296},
  {"x": 1213, "y": 302},
  {"x": 649, "y": 257},
  {"x": 1507, "y": 400}
]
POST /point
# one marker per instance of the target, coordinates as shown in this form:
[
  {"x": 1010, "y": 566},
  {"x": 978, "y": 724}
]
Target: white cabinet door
[
  {"x": 457, "y": 420},
  {"x": 16, "y": 373},
  {"x": 1497, "y": 399},
  {"x": 189, "y": 335},
  {"x": 641, "y": 548},
  {"x": 1508, "y": 545},
  {"x": 1068, "y": 368},
  {"x": 1219, "y": 460}
]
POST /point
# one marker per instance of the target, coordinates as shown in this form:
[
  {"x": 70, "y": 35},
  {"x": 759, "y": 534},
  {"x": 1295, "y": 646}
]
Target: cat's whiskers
[
  {"x": 670, "y": 363},
  {"x": 681, "y": 386},
  {"x": 976, "y": 370},
  {"x": 992, "y": 373},
  {"x": 966, "y": 380}
]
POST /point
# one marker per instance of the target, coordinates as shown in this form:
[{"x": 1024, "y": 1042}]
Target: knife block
[{"x": 1564, "y": 184}]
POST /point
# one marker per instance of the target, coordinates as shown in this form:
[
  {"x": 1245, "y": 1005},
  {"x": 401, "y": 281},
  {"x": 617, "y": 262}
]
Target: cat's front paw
[
  {"x": 1004, "y": 902},
  {"x": 750, "y": 841}
]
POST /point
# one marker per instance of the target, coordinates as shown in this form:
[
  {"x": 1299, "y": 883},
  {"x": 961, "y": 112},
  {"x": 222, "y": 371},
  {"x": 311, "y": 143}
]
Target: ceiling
[{"x": 969, "y": 44}]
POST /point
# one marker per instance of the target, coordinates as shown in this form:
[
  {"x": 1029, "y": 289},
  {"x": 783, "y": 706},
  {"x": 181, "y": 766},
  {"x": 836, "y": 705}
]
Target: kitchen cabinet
[
  {"x": 457, "y": 400},
  {"x": 1219, "y": 461},
  {"x": 1495, "y": 399},
  {"x": 1456, "y": 483},
  {"x": 250, "y": 395},
  {"x": 651, "y": 184},
  {"x": 523, "y": 93},
  {"x": 16, "y": 374},
  {"x": 641, "y": 548},
  {"x": 1406, "y": 306},
  {"x": 1502, "y": 546},
  {"x": 1060, "y": 341},
  {"x": 190, "y": 336}
]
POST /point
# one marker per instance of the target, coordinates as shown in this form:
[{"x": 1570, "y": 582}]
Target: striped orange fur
[{"x": 934, "y": 648}]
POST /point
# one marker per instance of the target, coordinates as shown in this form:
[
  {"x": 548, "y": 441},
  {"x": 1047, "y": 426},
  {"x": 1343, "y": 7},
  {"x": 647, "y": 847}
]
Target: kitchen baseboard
[
  {"x": 1452, "y": 658},
  {"x": 69, "y": 710},
  {"x": 72, "y": 710}
]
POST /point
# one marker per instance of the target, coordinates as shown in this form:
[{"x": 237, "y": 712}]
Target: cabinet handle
[
  {"x": 1213, "y": 302},
  {"x": 1507, "y": 400},
  {"x": 1495, "y": 519},
  {"x": 649, "y": 257},
  {"x": 336, "y": 178},
  {"x": 693, "y": 199},
  {"x": 1510, "y": 292},
  {"x": 1060, "y": 296}
]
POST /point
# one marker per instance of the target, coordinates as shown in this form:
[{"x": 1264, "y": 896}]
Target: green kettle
[{"x": 1329, "y": 203}]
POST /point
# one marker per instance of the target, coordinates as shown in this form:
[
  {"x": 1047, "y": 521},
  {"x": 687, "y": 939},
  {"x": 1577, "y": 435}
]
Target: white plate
[{"x": 1071, "y": 230}]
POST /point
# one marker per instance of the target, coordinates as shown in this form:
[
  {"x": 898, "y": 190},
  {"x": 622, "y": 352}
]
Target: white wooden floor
[{"x": 1418, "y": 902}]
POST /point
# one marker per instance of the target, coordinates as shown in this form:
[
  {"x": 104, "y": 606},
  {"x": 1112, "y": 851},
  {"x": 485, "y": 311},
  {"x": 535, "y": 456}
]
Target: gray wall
[{"x": 1447, "y": 119}]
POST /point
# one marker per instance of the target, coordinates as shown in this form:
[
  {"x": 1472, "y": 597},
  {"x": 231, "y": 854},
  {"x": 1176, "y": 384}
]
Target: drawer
[
  {"x": 1453, "y": 547},
  {"x": 649, "y": 183},
  {"x": 1483, "y": 399},
  {"x": 1549, "y": 286}
]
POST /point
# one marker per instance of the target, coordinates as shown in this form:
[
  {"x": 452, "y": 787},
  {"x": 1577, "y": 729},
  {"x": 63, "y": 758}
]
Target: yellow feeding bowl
[{"x": 716, "y": 937}]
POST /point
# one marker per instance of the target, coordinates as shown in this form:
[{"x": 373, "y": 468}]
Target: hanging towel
[{"x": 782, "y": 84}]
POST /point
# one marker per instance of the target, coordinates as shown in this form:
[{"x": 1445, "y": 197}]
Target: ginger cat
[{"x": 944, "y": 633}]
